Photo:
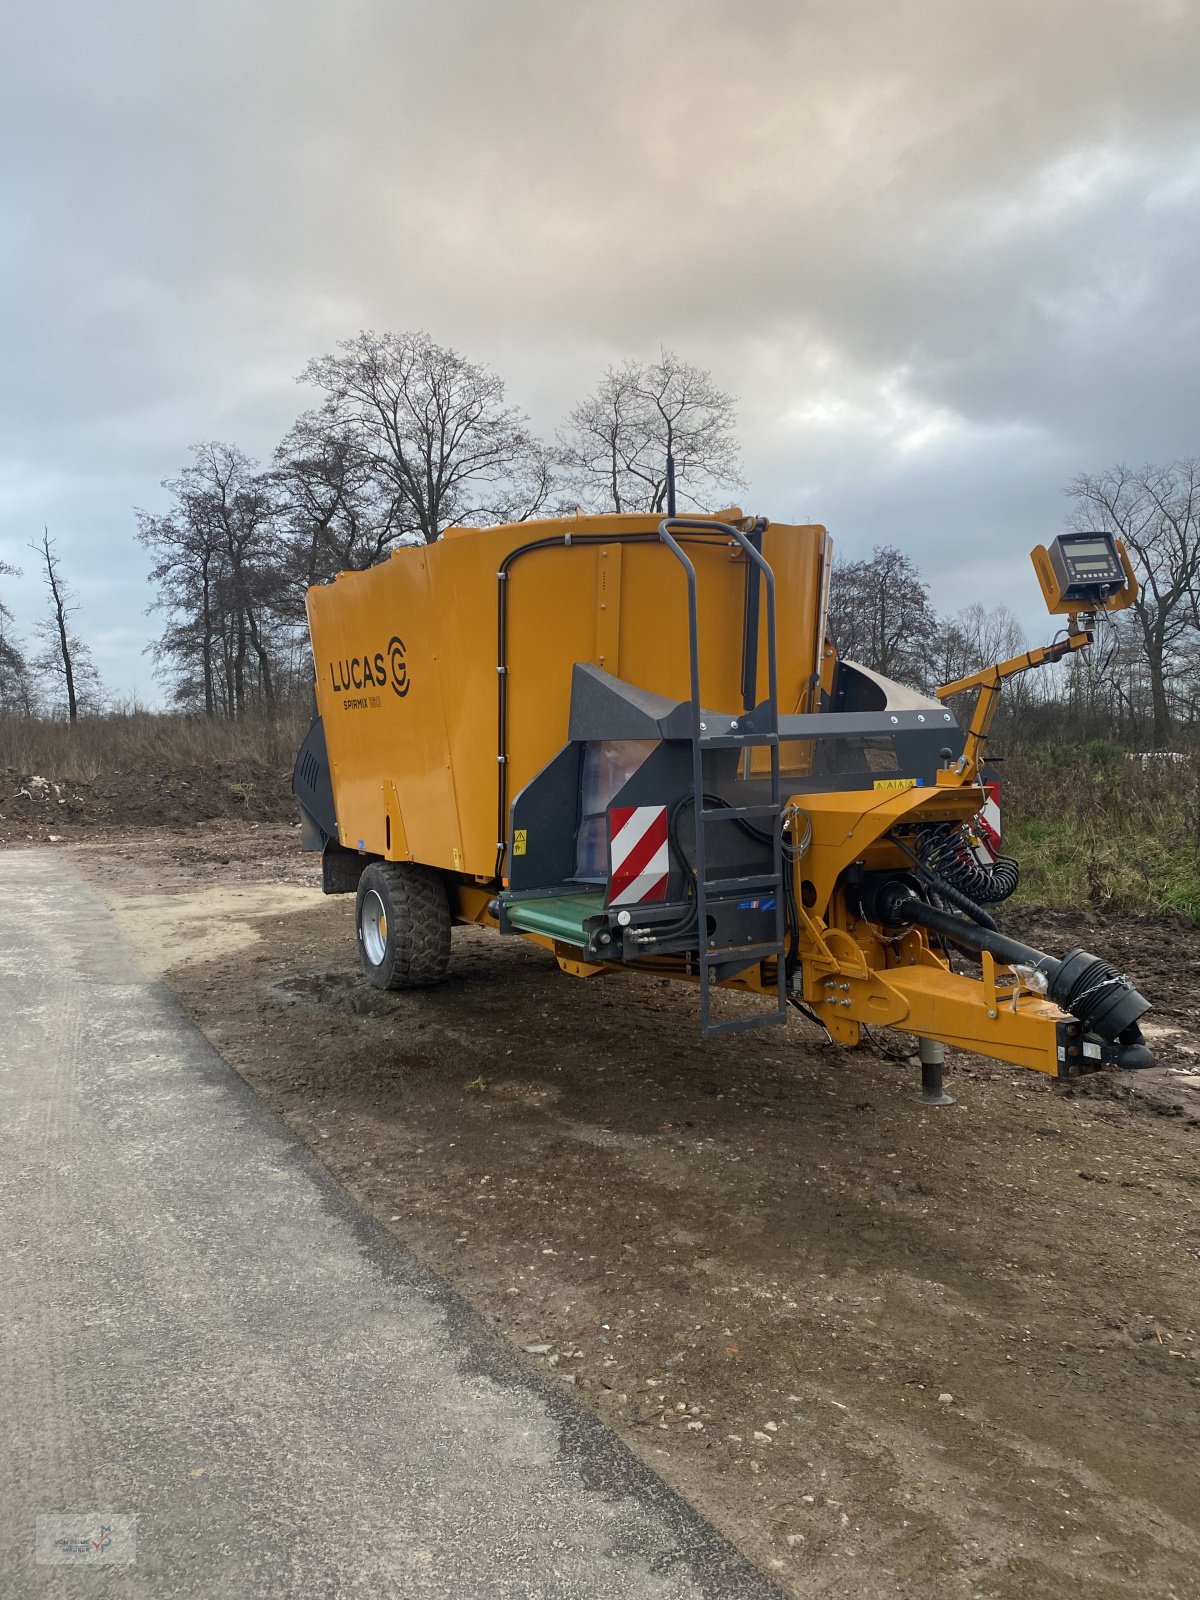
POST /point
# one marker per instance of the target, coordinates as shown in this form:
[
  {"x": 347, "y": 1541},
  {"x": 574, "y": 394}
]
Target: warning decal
[
  {"x": 987, "y": 825},
  {"x": 637, "y": 853}
]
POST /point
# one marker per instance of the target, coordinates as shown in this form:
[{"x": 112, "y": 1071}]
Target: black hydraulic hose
[
  {"x": 946, "y": 890},
  {"x": 556, "y": 541},
  {"x": 956, "y": 897},
  {"x": 973, "y": 937}
]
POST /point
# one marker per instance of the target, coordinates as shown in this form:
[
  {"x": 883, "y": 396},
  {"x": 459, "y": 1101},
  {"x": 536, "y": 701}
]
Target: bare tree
[
  {"x": 65, "y": 655},
  {"x": 339, "y": 512},
  {"x": 221, "y": 574},
  {"x": 880, "y": 616},
  {"x": 436, "y": 429},
  {"x": 1156, "y": 511},
  {"x": 615, "y": 445},
  {"x": 972, "y": 639},
  {"x": 16, "y": 687}
]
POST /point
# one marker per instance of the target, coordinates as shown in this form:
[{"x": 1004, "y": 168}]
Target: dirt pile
[{"x": 34, "y": 808}]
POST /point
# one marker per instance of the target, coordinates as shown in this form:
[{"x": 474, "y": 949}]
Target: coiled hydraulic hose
[
  {"x": 945, "y": 889},
  {"x": 945, "y": 849}
]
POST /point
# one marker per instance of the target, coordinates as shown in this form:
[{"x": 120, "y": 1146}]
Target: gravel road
[{"x": 199, "y": 1329}]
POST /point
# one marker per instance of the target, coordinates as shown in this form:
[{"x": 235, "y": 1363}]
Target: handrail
[
  {"x": 726, "y": 529},
  {"x": 692, "y": 527}
]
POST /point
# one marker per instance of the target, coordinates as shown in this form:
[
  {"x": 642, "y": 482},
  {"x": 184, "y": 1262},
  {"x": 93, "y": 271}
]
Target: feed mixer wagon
[{"x": 632, "y": 741}]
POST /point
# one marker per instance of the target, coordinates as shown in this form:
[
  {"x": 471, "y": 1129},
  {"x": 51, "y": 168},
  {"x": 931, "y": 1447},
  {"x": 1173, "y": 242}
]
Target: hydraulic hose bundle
[{"x": 946, "y": 851}]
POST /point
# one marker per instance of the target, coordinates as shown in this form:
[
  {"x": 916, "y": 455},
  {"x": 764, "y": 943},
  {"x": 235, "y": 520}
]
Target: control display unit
[{"x": 1085, "y": 565}]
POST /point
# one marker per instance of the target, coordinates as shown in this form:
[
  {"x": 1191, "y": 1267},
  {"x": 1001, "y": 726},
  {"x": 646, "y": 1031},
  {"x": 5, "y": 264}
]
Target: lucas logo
[{"x": 372, "y": 671}]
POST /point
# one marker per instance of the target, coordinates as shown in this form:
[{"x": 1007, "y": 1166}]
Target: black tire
[{"x": 402, "y": 925}]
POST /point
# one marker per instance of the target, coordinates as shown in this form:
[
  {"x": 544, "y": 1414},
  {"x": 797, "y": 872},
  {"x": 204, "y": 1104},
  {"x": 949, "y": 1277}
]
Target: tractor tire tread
[{"x": 419, "y": 924}]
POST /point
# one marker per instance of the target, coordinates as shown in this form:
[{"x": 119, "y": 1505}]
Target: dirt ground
[{"x": 889, "y": 1350}]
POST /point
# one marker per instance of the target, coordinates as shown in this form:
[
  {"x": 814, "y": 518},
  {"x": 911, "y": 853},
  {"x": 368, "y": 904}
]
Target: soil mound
[{"x": 37, "y": 809}]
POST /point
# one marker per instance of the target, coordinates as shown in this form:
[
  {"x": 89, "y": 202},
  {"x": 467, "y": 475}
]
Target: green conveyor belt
[{"x": 559, "y": 916}]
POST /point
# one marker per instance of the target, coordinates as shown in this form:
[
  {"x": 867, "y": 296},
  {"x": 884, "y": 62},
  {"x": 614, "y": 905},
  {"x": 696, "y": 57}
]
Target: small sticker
[
  {"x": 895, "y": 783},
  {"x": 519, "y": 840}
]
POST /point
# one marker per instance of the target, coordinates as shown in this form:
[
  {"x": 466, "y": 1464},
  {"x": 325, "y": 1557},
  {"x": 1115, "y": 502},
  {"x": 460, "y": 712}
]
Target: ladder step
[
  {"x": 733, "y": 813},
  {"x": 715, "y": 887},
  {"x": 759, "y": 1019},
  {"x": 737, "y": 741},
  {"x": 747, "y": 953}
]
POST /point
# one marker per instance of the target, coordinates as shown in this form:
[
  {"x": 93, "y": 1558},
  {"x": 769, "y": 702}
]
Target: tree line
[
  {"x": 408, "y": 438},
  {"x": 1138, "y": 685}
]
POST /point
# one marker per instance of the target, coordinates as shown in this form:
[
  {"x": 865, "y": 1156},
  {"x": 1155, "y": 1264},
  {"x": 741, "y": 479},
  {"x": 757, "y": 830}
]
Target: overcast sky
[{"x": 946, "y": 253}]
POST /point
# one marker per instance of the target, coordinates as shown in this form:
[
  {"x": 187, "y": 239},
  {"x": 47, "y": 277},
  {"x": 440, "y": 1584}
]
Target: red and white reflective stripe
[
  {"x": 987, "y": 820},
  {"x": 637, "y": 854}
]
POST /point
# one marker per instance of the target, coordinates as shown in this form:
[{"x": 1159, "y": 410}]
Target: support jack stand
[{"x": 933, "y": 1057}]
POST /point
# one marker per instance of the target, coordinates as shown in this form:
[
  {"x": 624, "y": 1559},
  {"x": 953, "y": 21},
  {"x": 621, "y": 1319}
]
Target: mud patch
[{"x": 329, "y": 992}]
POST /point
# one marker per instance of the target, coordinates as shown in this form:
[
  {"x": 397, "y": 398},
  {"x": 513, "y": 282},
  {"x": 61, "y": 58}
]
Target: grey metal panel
[
  {"x": 547, "y": 810},
  {"x": 604, "y": 707},
  {"x": 313, "y": 786},
  {"x": 835, "y": 724},
  {"x": 665, "y": 778}
]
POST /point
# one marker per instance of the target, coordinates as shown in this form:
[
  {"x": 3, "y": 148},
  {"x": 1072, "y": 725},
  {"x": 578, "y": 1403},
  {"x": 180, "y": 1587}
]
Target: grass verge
[{"x": 1091, "y": 827}]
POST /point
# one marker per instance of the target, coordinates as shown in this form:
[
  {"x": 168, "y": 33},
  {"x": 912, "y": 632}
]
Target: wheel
[{"x": 402, "y": 921}]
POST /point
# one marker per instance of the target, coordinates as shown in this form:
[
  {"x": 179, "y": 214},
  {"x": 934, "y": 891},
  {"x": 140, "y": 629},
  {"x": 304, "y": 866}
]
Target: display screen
[{"x": 1087, "y": 547}]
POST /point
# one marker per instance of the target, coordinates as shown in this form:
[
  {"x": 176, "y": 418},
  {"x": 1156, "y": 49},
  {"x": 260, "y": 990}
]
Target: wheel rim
[{"x": 372, "y": 927}]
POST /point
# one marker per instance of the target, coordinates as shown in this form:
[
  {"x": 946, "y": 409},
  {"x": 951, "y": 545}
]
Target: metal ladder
[{"x": 717, "y": 963}]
